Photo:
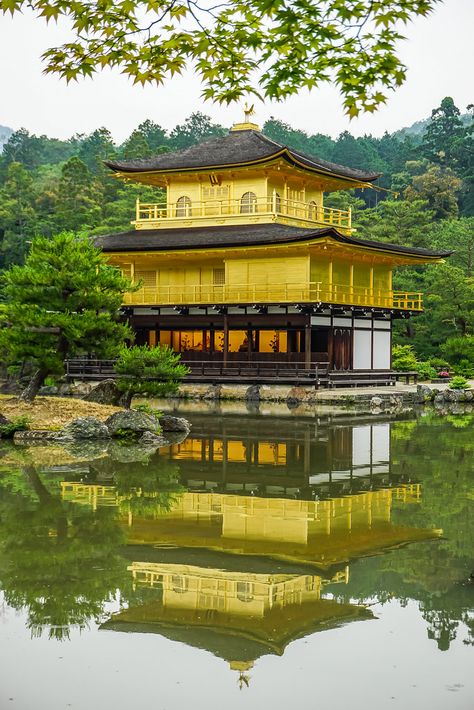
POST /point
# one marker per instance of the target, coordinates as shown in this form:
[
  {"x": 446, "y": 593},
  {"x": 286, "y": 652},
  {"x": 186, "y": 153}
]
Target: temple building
[{"x": 240, "y": 260}]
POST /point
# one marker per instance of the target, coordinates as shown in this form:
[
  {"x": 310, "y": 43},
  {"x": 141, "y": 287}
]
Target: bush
[
  {"x": 425, "y": 371},
  {"x": 404, "y": 358},
  {"x": 465, "y": 369},
  {"x": 439, "y": 364},
  {"x": 146, "y": 408},
  {"x": 459, "y": 383},
  {"x": 459, "y": 348},
  {"x": 21, "y": 423}
]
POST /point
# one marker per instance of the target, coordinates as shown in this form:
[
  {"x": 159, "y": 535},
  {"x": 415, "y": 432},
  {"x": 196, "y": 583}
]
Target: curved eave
[
  {"x": 291, "y": 158},
  {"x": 127, "y": 242}
]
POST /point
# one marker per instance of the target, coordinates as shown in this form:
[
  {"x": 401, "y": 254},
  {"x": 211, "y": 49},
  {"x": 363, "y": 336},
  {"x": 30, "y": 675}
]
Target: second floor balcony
[
  {"x": 274, "y": 293},
  {"x": 248, "y": 209}
]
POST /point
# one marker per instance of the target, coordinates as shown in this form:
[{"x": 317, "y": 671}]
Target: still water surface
[{"x": 265, "y": 561}]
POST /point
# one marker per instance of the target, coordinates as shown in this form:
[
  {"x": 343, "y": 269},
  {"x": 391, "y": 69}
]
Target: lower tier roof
[{"x": 240, "y": 236}]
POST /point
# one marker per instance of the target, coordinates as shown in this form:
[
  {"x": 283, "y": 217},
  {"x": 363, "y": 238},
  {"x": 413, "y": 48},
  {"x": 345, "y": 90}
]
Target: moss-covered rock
[
  {"x": 86, "y": 428},
  {"x": 131, "y": 423}
]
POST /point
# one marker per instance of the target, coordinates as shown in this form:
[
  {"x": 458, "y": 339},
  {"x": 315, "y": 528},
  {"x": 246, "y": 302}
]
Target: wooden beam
[{"x": 226, "y": 341}]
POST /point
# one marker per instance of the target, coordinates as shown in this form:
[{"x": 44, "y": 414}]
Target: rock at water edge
[
  {"x": 130, "y": 421},
  {"x": 86, "y": 428}
]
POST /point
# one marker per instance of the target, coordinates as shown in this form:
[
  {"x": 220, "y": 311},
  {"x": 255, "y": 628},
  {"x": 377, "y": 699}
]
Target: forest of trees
[{"x": 49, "y": 185}]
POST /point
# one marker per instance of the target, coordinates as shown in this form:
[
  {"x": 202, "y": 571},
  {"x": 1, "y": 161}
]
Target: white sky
[{"x": 439, "y": 53}]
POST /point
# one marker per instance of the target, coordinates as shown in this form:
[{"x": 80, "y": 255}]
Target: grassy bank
[{"x": 53, "y": 412}]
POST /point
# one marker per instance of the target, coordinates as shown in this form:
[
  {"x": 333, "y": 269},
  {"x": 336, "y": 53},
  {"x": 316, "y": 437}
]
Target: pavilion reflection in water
[
  {"x": 238, "y": 616},
  {"x": 238, "y": 565}
]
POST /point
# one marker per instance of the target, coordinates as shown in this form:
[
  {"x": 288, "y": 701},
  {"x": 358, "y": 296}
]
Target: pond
[{"x": 266, "y": 560}]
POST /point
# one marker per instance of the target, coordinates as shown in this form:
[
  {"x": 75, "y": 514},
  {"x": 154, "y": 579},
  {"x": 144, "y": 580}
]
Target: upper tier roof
[
  {"x": 241, "y": 236},
  {"x": 238, "y": 148}
]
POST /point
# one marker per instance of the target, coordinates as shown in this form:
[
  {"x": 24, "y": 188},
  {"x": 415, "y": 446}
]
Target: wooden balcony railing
[
  {"x": 169, "y": 213},
  {"x": 274, "y": 293}
]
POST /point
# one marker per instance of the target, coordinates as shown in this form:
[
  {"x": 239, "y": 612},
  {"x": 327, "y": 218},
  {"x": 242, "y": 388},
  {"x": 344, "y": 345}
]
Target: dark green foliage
[
  {"x": 457, "y": 349},
  {"x": 404, "y": 358},
  {"x": 149, "y": 371},
  {"x": 63, "y": 302},
  {"x": 426, "y": 371},
  {"x": 196, "y": 129},
  {"x": 21, "y": 423}
]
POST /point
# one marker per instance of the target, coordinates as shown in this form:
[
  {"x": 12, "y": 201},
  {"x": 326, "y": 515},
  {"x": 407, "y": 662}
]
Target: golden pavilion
[{"x": 239, "y": 259}]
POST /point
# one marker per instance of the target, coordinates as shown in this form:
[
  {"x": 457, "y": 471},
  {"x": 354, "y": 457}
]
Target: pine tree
[
  {"x": 17, "y": 213},
  {"x": 78, "y": 205},
  {"x": 152, "y": 371},
  {"x": 443, "y": 134},
  {"x": 64, "y": 301},
  {"x": 136, "y": 146}
]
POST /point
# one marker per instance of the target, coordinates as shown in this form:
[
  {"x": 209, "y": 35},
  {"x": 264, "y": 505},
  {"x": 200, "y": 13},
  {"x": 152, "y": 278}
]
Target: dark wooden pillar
[
  {"x": 307, "y": 346},
  {"x": 226, "y": 341},
  {"x": 249, "y": 344},
  {"x": 212, "y": 342}
]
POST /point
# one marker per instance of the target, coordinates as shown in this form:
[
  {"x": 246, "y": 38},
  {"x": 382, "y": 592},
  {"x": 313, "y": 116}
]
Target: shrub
[
  {"x": 21, "y": 423},
  {"x": 425, "y": 371},
  {"x": 459, "y": 383},
  {"x": 465, "y": 369},
  {"x": 439, "y": 364},
  {"x": 146, "y": 408},
  {"x": 459, "y": 348},
  {"x": 404, "y": 358}
]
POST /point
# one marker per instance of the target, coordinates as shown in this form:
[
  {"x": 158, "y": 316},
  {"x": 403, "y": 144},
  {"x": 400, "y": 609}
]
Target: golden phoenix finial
[{"x": 248, "y": 111}]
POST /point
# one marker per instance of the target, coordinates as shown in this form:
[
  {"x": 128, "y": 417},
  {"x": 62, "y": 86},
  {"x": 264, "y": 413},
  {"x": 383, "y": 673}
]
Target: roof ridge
[{"x": 266, "y": 139}]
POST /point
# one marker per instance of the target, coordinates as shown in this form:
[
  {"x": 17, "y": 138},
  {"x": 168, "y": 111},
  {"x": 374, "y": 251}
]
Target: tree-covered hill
[
  {"x": 419, "y": 127},
  {"x": 48, "y": 185}
]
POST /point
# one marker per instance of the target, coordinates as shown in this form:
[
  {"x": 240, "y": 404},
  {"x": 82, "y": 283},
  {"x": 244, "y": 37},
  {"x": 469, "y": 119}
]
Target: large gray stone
[
  {"x": 48, "y": 391},
  {"x": 131, "y": 422},
  {"x": 454, "y": 395},
  {"x": 253, "y": 393},
  {"x": 424, "y": 394},
  {"x": 169, "y": 423},
  {"x": 86, "y": 428},
  {"x": 106, "y": 392}
]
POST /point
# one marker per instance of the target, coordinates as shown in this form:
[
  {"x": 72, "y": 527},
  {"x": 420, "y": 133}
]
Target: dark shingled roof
[
  {"x": 236, "y": 148},
  {"x": 236, "y": 235}
]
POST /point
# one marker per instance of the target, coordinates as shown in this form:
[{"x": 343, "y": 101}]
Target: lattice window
[
  {"x": 126, "y": 271},
  {"x": 312, "y": 210},
  {"x": 179, "y": 583},
  {"x": 245, "y": 591},
  {"x": 248, "y": 203},
  {"x": 296, "y": 195},
  {"x": 148, "y": 278},
  {"x": 215, "y": 193},
  {"x": 183, "y": 207},
  {"x": 218, "y": 277}
]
